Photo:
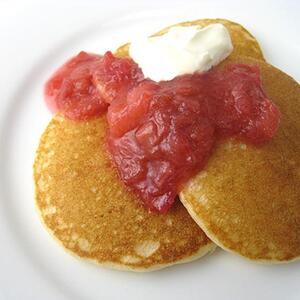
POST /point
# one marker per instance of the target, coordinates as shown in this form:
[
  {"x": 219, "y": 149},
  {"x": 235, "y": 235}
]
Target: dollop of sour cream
[{"x": 182, "y": 50}]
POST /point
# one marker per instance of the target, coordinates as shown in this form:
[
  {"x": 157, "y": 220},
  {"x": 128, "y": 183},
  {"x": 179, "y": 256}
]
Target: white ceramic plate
[{"x": 35, "y": 38}]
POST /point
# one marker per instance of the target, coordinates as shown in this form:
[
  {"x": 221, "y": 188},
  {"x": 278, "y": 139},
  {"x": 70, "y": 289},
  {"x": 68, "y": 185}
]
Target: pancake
[
  {"x": 90, "y": 212},
  {"x": 244, "y": 43},
  {"x": 247, "y": 199}
]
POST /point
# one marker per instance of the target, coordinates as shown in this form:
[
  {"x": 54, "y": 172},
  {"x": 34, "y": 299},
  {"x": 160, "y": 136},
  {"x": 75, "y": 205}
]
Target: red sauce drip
[
  {"x": 71, "y": 89},
  {"x": 162, "y": 133},
  {"x": 116, "y": 77}
]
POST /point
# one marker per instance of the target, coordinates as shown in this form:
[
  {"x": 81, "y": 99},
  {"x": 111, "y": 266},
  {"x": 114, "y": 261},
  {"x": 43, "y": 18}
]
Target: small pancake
[
  {"x": 244, "y": 43},
  {"x": 247, "y": 199},
  {"x": 85, "y": 206}
]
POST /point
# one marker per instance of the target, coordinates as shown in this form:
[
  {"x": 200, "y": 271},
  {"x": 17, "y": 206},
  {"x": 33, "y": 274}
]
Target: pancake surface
[
  {"x": 85, "y": 206},
  {"x": 244, "y": 43},
  {"x": 247, "y": 199}
]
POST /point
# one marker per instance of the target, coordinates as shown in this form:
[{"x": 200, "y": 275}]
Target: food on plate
[
  {"x": 162, "y": 131},
  {"x": 247, "y": 198},
  {"x": 91, "y": 213},
  {"x": 132, "y": 128}
]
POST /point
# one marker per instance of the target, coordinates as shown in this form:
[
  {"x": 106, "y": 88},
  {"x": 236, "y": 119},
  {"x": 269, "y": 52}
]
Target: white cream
[{"x": 182, "y": 50}]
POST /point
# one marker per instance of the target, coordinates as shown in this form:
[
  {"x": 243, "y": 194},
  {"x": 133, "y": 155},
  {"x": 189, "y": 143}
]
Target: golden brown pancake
[
  {"x": 86, "y": 207},
  {"x": 247, "y": 199},
  {"x": 244, "y": 43}
]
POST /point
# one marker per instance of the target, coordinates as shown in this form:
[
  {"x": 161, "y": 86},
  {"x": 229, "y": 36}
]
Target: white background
[{"x": 37, "y": 36}]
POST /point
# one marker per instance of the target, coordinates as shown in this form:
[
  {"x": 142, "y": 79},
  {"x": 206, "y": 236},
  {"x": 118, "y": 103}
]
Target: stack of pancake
[{"x": 246, "y": 200}]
